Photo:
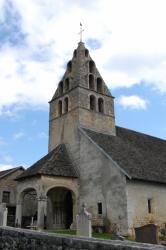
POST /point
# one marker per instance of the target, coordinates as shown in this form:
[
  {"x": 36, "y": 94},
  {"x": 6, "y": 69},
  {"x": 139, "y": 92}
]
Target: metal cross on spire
[{"x": 81, "y": 31}]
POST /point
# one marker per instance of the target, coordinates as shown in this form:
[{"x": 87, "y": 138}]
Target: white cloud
[
  {"x": 18, "y": 135},
  {"x": 133, "y": 102},
  {"x": 133, "y": 46},
  {"x": 5, "y": 166},
  {"x": 7, "y": 158}
]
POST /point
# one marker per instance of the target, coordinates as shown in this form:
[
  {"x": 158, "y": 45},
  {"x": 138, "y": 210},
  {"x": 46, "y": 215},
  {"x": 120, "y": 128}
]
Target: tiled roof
[
  {"x": 55, "y": 163},
  {"x": 139, "y": 155}
]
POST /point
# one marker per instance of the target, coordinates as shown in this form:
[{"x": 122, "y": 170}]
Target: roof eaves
[
  {"x": 150, "y": 181},
  {"x": 20, "y": 178},
  {"x": 10, "y": 172},
  {"x": 107, "y": 155}
]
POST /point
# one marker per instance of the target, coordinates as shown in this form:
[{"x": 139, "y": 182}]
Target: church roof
[
  {"x": 55, "y": 163},
  {"x": 139, "y": 155}
]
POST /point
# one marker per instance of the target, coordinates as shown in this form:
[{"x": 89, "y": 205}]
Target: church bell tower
[{"x": 81, "y": 99}]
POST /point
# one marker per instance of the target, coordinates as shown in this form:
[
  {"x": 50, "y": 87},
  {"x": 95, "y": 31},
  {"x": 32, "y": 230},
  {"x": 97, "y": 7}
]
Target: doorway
[{"x": 59, "y": 208}]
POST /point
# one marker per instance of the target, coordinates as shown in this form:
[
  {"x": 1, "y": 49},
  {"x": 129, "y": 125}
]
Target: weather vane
[{"x": 81, "y": 31}]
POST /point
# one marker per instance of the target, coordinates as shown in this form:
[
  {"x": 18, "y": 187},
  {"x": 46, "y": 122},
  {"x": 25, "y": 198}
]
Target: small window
[
  {"x": 149, "y": 206},
  {"x": 100, "y": 209},
  {"x": 6, "y": 197},
  {"x": 91, "y": 82},
  {"x": 66, "y": 105},
  {"x": 60, "y": 107},
  {"x": 86, "y": 53},
  {"x": 91, "y": 67},
  {"x": 100, "y": 105},
  {"x": 67, "y": 84},
  {"x": 61, "y": 88},
  {"x": 92, "y": 103},
  {"x": 69, "y": 66},
  {"x": 75, "y": 53},
  {"x": 99, "y": 85}
]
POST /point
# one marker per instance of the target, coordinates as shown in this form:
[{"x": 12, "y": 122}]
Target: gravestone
[
  {"x": 84, "y": 225},
  {"x": 3, "y": 214},
  {"x": 147, "y": 234}
]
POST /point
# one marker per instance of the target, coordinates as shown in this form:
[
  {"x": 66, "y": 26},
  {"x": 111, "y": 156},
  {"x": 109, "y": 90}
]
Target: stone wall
[
  {"x": 138, "y": 193},
  {"x": 18, "y": 239},
  {"x": 9, "y": 184},
  {"x": 102, "y": 182}
]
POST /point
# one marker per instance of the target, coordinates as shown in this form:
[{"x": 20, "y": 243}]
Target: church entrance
[{"x": 59, "y": 208}]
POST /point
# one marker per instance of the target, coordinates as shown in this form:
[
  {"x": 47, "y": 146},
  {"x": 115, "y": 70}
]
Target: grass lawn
[{"x": 106, "y": 236}]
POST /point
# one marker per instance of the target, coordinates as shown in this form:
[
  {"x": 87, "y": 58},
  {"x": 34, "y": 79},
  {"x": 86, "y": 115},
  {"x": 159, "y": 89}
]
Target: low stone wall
[{"x": 19, "y": 239}]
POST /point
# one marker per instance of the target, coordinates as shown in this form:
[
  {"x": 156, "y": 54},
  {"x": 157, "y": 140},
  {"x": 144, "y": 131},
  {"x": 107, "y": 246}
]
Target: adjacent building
[{"x": 8, "y": 190}]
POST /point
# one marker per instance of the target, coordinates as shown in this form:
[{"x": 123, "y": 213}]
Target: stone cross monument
[{"x": 84, "y": 225}]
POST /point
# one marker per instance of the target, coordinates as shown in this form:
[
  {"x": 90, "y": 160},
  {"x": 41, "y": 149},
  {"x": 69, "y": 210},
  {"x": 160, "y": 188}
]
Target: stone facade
[
  {"x": 42, "y": 186},
  {"x": 102, "y": 182},
  {"x": 139, "y": 194},
  {"x": 80, "y": 104},
  {"x": 8, "y": 190},
  {"x": 9, "y": 184}
]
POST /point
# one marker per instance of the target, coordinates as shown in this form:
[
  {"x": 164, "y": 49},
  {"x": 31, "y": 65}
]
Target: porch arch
[
  {"x": 61, "y": 207},
  {"x": 27, "y": 206}
]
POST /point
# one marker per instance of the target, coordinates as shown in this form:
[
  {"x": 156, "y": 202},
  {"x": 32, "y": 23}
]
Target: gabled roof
[
  {"x": 4, "y": 173},
  {"x": 141, "y": 156},
  {"x": 55, "y": 163}
]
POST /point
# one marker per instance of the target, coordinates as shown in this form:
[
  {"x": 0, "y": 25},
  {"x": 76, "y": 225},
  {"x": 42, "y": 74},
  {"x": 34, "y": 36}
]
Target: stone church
[{"x": 120, "y": 174}]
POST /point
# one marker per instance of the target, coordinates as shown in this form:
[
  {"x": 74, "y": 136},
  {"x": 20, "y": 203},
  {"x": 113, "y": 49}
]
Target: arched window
[
  {"x": 100, "y": 105},
  {"x": 60, "y": 107},
  {"x": 67, "y": 84},
  {"x": 92, "y": 102},
  {"x": 61, "y": 88},
  {"x": 99, "y": 85},
  {"x": 91, "y": 67},
  {"x": 75, "y": 53},
  {"x": 86, "y": 52},
  {"x": 91, "y": 82},
  {"x": 66, "y": 105},
  {"x": 69, "y": 66}
]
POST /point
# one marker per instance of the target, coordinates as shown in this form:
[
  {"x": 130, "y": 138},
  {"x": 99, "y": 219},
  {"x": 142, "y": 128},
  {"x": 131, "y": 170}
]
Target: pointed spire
[{"x": 81, "y": 71}]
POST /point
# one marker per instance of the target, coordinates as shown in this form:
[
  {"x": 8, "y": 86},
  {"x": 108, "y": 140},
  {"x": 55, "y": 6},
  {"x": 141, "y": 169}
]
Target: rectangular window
[
  {"x": 99, "y": 205},
  {"x": 149, "y": 206},
  {"x": 6, "y": 197}
]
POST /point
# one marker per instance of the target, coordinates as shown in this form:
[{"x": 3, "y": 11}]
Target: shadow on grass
[{"x": 105, "y": 236}]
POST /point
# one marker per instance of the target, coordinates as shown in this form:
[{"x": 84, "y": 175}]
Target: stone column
[
  {"x": 18, "y": 219},
  {"x": 3, "y": 215},
  {"x": 75, "y": 212},
  {"x": 42, "y": 212}
]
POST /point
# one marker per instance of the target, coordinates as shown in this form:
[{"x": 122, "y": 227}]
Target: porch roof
[{"x": 55, "y": 163}]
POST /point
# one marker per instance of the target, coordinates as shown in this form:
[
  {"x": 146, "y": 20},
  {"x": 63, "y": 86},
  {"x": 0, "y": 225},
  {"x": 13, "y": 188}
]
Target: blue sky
[{"x": 125, "y": 38}]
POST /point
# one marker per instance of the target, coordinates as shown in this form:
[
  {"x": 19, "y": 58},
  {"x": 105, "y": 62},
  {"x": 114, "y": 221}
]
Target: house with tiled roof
[
  {"x": 8, "y": 190},
  {"x": 120, "y": 174}
]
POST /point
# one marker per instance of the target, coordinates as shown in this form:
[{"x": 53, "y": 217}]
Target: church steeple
[
  {"x": 81, "y": 95},
  {"x": 81, "y": 71}
]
